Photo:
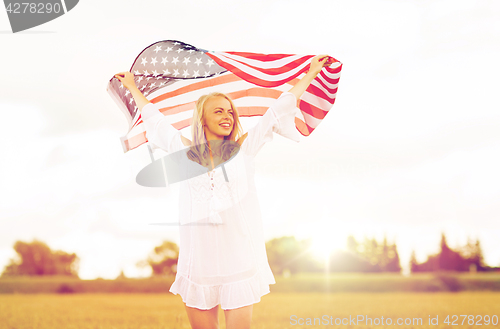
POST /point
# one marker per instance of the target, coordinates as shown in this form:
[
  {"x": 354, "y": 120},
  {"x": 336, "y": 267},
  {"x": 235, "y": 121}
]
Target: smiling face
[{"x": 218, "y": 118}]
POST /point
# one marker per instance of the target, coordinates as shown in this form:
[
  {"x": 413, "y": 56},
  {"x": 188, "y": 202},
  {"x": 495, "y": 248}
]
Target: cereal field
[{"x": 276, "y": 310}]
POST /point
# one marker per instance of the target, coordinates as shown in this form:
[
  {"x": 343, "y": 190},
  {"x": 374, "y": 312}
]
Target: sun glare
[
  {"x": 327, "y": 235},
  {"x": 324, "y": 242}
]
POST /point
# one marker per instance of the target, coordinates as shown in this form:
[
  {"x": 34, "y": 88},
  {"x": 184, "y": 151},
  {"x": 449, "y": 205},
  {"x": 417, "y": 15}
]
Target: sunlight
[
  {"x": 327, "y": 234},
  {"x": 326, "y": 239}
]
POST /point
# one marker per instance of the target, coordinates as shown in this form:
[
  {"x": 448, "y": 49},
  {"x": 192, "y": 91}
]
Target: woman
[{"x": 222, "y": 264}]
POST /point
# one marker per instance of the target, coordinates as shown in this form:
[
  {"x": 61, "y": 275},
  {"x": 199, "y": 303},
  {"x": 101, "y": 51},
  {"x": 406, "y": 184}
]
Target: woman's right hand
[{"x": 127, "y": 79}]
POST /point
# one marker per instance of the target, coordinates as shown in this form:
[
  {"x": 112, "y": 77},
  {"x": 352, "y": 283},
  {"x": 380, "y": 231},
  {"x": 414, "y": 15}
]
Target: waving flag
[{"x": 174, "y": 75}]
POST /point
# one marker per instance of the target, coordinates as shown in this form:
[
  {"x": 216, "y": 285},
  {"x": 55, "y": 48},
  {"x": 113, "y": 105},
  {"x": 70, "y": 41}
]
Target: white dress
[{"x": 222, "y": 255}]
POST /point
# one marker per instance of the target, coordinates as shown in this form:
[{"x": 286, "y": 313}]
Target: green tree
[
  {"x": 413, "y": 262},
  {"x": 478, "y": 257},
  {"x": 473, "y": 254},
  {"x": 446, "y": 260},
  {"x": 163, "y": 259},
  {"x": 383, "y": 255},
  {"x": 286, "y": 253},
  {"x": 36, "y": 258},
  {"x": 451, "y": 260},
  {"x": 371, "y": 252},
  {"x": 393, "y": 263}
]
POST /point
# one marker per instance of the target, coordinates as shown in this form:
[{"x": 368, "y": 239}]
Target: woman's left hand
[
  {"x": 317, "y": 64},
  {"x": 320, "y": 61}
]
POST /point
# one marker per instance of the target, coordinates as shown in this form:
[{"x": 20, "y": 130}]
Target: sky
[{"x": 409, "y": 150}]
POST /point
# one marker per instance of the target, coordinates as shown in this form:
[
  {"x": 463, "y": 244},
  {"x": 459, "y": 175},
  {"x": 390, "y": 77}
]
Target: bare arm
[
  {"x": 317, "y": 64},
  {"x": 127, "y": 79}
]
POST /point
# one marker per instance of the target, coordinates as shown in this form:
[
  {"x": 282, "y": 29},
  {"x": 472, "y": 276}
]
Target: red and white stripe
[
  {"x": 272, "y": 70},
  {"x": 253, "y": 82}
]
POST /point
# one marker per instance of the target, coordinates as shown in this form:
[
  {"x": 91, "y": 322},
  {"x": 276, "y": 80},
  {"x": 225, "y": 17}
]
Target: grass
[{"x": 162, "y": 311}]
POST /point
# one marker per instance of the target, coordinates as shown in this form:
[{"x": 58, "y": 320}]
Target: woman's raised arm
[
  {"x": 161, "y": 136},
  {"x": 317, "y": 63},
  {"x": 127, "y": 79}
]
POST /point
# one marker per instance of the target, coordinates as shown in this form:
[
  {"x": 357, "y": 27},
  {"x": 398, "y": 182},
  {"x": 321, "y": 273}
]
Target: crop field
[{"x": 276, "y": 310}]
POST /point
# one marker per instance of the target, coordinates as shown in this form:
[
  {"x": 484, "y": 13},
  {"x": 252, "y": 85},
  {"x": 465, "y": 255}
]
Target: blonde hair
[{"x": 199, "y": 152}]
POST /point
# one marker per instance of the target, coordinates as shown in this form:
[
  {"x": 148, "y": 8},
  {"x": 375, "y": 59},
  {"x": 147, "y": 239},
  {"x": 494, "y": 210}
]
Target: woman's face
[{"x": 219, "y": 118}]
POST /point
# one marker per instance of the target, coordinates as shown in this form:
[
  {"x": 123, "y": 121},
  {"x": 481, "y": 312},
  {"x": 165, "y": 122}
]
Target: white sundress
[{"x": 222, "y": 255}]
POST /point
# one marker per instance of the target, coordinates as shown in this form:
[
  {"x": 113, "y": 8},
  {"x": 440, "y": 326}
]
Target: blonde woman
[{"x": 222, "y": 256}]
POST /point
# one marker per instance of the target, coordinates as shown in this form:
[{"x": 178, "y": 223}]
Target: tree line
[
  {"x": 465, "y": 258},
  {"x": 286, "y": 255}
]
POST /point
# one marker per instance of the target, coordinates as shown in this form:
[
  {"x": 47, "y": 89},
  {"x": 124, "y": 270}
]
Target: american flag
[{"x": 174, "y": 75}]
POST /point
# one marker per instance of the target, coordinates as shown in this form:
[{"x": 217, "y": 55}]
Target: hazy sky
[{"x": 410, "y": 149}]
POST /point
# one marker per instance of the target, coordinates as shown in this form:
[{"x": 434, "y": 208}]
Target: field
[
  {"x": 276, "y": 310},
  {"x": 302, "y": 282}
]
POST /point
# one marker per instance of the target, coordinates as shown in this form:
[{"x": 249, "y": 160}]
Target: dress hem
[{"x": 229, "y": 296}]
